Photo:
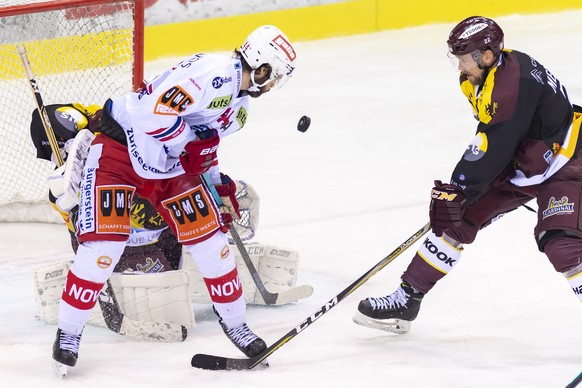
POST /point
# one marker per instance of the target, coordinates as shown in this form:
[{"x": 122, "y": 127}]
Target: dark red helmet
[{"x": 476, "y": 33}]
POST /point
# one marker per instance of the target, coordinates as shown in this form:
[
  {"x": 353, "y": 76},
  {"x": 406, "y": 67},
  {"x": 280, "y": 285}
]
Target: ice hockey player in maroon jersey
[
  {"x": 526, "y": 147},
  {"x": 157, "y": 142}
]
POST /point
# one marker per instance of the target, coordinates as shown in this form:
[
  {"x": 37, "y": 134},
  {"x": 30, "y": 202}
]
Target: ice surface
[{"x": 387, "y": 119}]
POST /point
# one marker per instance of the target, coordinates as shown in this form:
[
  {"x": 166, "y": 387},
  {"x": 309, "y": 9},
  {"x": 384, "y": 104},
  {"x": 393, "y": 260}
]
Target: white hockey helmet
[{"x": 269, "y": 45}]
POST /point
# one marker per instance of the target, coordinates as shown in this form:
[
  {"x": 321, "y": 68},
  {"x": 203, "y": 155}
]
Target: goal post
[{"x": 80, "y": 51}]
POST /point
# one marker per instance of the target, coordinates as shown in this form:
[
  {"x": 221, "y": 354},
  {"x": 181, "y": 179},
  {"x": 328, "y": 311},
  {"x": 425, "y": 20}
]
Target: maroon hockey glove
[
  {"x": 200, "y": 154},
  {"x": 447, "y": 205},
  {"x": 227, "y": 192}
]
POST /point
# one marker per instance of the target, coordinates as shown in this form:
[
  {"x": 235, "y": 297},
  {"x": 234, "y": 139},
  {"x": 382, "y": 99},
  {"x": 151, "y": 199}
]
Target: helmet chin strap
[{"x": 256, "y": 87}]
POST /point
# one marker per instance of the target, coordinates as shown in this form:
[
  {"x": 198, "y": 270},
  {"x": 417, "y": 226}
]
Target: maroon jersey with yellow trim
[{"x": 524, "y": 117}]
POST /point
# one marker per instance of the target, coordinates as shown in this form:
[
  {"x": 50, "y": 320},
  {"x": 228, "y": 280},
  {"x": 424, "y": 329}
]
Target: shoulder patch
[{"x": 173, "y": 101}]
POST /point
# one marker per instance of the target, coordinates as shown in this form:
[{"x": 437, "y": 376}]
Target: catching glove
[
  {"x": 200, "y": 154},
  {"x": 447, "y": 205}
]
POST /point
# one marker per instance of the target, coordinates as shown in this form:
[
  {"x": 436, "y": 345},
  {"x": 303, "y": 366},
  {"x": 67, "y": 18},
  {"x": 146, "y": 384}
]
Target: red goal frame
[{"x": 138, "y": 21}]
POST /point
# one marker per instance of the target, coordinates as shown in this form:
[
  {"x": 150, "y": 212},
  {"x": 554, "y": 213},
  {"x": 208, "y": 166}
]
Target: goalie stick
[
  {"x": 211, "y": 362},
  {"x": 50, "y": 133},
  {"x": 286, "y": 296}
]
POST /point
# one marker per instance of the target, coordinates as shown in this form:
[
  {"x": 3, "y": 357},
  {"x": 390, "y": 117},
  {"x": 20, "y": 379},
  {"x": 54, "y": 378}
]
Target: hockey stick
[
  {"x": 210, "y": 362},
  {"x": 282, "y": 297},
  {"x": 575, "y": 382},
  {"x": 50, "y": 133}
]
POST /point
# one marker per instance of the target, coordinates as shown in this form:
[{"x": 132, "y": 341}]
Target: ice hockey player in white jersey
[{"x": 157, "y": 142}]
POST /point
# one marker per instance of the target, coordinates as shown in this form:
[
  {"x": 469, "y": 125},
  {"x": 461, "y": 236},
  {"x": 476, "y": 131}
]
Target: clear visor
[
  {"x": 460, "y": 62},
  {"x": 453, "y": 59}
]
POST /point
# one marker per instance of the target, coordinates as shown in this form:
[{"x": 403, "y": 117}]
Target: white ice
[{"x": 387, "y": 119}]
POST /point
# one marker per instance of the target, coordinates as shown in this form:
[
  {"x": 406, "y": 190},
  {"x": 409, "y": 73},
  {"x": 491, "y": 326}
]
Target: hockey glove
[
  {"x": 64, "y": 182},
  {"x": 199, "y": 155},
  {"x": 447, "y": 205},
  {"x": 227, "y": 192}
]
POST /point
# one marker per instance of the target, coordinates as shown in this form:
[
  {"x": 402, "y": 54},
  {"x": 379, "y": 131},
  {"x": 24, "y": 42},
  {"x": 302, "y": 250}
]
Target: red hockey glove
[
  {"x": 200, "y": 154},
  {"x": 227, "y": 192},
  {"x": 447, "y": 205},
  {"x": 229, "y": 209}
]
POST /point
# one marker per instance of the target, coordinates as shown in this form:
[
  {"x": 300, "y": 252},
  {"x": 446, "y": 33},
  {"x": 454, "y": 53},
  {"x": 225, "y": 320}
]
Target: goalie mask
[
  {"x": 268, "y": 45},
  {"x": 66, "y": 121}
]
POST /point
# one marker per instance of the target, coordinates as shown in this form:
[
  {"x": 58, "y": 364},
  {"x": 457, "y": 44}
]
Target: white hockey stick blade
[
  {"x": 294, "y": 294},
  {"x": 393, "y": 325},
  {"x": 153, "y": 331},
  {"x": 61, "y": 370}
]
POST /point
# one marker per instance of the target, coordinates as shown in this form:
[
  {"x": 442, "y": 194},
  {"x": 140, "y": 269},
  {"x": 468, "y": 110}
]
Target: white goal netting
[{"x": 80, "y": 51}]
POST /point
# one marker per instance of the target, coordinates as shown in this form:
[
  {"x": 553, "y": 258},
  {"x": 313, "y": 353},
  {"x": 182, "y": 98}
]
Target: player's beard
[
  {"x": 262, "y": 90},
  {"x": 477, "y": 80}
]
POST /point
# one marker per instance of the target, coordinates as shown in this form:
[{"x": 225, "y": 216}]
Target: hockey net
[{"x": 80, "y": 51}]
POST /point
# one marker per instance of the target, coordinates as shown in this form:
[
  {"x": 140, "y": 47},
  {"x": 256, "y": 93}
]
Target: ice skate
[
  {"x": 391, "y": 313},
  {"x": 243, "y": 338},
  {"x": 65, "y": 352}
]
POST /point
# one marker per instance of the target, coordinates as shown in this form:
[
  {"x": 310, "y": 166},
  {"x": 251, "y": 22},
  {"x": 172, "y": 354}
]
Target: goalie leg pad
[
  {"x": 159, "y": 297},
  {"x": 163, "y": 297},
  {"x": 48, "y": 287},
  {"x": 277, "y": 268},
  {"x": 49, "y": 281}
]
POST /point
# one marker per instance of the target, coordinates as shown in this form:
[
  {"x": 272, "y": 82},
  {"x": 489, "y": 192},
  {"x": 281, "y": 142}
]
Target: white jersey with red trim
[{"x": 196, "y": 95}]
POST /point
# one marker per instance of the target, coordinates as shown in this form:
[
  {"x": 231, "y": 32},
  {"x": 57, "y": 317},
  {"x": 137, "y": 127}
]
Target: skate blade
[
  {"x": 61, "y": 370},
  {"x": 392, "y": 325}
]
